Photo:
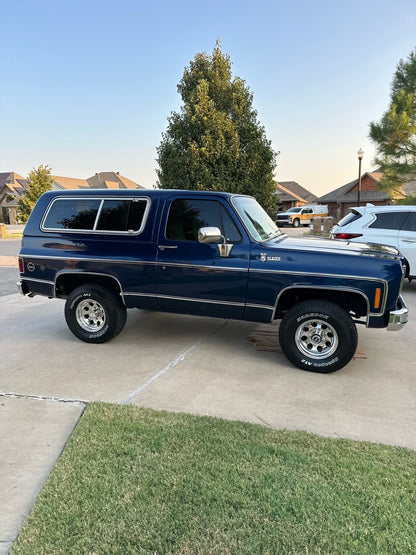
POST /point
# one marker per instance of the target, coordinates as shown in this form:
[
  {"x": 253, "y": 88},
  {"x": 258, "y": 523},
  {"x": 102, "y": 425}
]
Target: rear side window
[
  {"x": 389, "y": 220},
  {"x": 411, "y": 222},
  {"x": 350, "y": 217},
  {"x": 94, "y": 214},
  {"x": 121, "y": 215}
]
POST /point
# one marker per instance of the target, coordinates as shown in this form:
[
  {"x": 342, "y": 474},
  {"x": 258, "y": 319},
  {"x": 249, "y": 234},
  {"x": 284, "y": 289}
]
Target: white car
[{"x": 383, "y": 225}]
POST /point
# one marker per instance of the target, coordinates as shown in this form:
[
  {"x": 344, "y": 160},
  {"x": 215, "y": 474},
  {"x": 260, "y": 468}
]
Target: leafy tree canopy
[
  {"x": 38, "y": 182},
  {"x": 215, "y": 142},
  {"x": 395, "y": 134}
]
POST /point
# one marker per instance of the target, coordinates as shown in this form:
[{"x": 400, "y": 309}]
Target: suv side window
[
  {"x": 122, "y": 215},
  {"x": 389, "y": 220},
  {"x": 186, "y": 216},
  {"x": 411, "y": 222},
  {"x": 94, "y": 214},
  {"x": 72, "y": 214}
]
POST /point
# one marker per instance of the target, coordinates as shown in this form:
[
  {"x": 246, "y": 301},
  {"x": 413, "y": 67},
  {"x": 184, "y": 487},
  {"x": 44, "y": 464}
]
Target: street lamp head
[{"x": 360, "y": 154}]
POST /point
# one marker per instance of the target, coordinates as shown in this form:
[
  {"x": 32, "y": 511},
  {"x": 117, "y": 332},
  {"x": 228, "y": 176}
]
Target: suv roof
[{"x": 385, "y": 208}]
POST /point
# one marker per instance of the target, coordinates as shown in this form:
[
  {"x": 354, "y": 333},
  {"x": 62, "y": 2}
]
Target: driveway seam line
[
  {"x": 14, "y": 395},
  {"x": 173, "y": 363}
]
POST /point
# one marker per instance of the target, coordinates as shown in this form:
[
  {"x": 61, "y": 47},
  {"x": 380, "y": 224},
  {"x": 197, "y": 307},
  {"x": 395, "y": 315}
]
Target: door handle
[
  {"x": 409, "y": 240},
  {"x": 163, "y": 247}
]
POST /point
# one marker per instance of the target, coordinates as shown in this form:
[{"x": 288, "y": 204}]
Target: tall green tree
[
  {"x": 395, "y": 134},
  {"x": 215, "y": 142},
  {"x": 38, "y": 182}
]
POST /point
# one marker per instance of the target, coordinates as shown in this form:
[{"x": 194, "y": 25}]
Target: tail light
[
  {"x": 347, "y": 235},
  {"x": 21, "y": 265}
]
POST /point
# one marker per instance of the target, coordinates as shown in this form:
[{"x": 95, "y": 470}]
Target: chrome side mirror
[{"x": 208, "y": 235}]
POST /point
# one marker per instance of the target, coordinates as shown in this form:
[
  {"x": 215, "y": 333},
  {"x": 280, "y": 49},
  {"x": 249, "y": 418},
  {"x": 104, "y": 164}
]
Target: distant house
[
  {"x": 111, "y": 180},
  {"x": 340, "y": 200},
  {"x": 13, "y": 185},
  {"x": 292, "y": 194},
  {"x": 69, "y": 183}
]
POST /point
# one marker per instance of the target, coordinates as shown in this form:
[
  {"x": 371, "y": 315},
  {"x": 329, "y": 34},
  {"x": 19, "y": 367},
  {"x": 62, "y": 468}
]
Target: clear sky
[{"x": 88, "y": 85}]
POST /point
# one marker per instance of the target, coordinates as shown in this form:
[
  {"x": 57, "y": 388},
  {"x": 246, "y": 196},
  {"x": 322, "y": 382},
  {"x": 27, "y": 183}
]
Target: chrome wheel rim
[
  {"x": 316, "y": 338},
  {"x": 90, "y": 315}
]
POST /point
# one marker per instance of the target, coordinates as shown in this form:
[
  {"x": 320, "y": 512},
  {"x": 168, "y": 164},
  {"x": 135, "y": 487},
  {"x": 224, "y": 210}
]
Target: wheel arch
[
  {"x": 347, "y": 298},
  {"x": 67, "y": 280}
]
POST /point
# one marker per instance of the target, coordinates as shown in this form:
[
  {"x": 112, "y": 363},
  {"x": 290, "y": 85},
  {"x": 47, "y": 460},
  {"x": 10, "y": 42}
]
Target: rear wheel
[
  {"x": 95, "y": 314},
  {"x": 318, "y": 336}
]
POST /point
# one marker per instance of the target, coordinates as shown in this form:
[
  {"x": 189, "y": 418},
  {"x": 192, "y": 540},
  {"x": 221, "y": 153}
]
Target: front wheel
[
  {"x": 95, "y": 314},
  {"x": 296, "y": 222},
  {"x": 318, "y": 336}
]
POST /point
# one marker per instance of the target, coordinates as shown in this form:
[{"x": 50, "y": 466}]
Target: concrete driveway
[{"x": 181, "y": 363}]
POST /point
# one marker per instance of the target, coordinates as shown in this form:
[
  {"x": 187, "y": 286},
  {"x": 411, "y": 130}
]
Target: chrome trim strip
[
  {"x": 88, "y": 273},
  {"x": 297, "y": 273},
  {"x": 350, "y": 290},
  {"x": 144, "y": 262},
  {"x": 85, "y": 259},
  {"x": 208, "y": 301},
  {"x": 131, "y": 294},
  {"x": 205, "y": 266},
  {"x": 260, "y": 306},
  {"x": 24, "y": 278}
]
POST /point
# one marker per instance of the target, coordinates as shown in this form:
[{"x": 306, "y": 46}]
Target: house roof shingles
[
  {"x": 345, "y": 194},
  {"x": 69, "y": 183},
  {"x": 100, "y": 180},
  {"x": 292, "y": 191}
]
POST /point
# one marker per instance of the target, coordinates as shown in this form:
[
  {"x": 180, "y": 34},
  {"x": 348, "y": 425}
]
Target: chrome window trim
[{"x": 95, "y": 231}]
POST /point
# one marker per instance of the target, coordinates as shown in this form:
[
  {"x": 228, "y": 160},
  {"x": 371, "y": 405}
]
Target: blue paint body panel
[{"x": 256, "y": 282}]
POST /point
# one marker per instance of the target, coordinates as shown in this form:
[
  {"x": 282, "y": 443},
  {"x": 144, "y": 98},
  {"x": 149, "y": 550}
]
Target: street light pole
[{"x": 360, "y": 155}]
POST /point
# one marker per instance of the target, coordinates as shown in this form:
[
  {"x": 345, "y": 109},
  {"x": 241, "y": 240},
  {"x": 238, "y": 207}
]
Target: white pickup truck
[{"x": 301, "y": 215}]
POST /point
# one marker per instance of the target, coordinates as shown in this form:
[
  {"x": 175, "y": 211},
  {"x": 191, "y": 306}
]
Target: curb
[{"x": 9, "y": 261}]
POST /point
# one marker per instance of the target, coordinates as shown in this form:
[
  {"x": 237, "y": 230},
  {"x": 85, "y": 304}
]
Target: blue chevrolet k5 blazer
[{"x": 209, "y": 254}]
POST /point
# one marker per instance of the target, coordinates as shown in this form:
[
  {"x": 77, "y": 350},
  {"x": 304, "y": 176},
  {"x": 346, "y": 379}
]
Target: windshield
[
  {"x": 295, "y": 209},
  {"x": 260, "y": 226}
]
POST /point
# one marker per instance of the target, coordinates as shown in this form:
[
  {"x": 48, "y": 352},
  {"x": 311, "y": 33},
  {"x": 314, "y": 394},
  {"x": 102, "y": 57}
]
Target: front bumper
[{"x": 398, "y": 317}]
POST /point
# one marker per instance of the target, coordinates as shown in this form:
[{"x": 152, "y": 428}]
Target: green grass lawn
[{"x": 134, "y": 480}]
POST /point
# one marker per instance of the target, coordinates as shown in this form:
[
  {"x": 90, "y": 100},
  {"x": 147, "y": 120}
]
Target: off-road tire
[
  {"x": 94, "y": 313},
  {"x": 318, "y": 336}
]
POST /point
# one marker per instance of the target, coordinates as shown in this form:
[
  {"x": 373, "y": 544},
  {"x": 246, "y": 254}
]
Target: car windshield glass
[
  {"x": 260, "y": 226},
  {"x": 294, "y": 210}
]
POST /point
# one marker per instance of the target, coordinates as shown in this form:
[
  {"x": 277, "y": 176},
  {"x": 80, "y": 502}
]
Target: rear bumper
[
  {"x": 398, "y": 317},
  {"x": 22, "y": 287}
]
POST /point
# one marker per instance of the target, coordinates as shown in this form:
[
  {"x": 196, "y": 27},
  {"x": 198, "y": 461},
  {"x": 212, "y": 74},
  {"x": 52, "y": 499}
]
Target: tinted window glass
[
  {"x": 229, "y": 230},
  {"x": 389, "y": 220},
  {"x": 121, "y": 215},
  {"x": 350, "y": 217},
  {"x": 72, "y": 214},
  {"x": 411, "y": 222},
  {"x": 187, "y": 216}
]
